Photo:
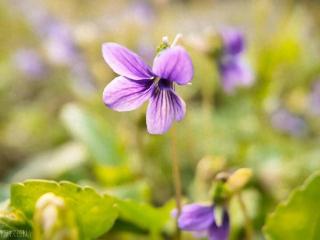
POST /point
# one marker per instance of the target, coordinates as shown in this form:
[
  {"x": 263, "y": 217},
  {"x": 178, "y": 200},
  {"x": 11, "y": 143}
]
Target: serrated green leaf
[
  {"x": 299, "y": 217},
  {"x": 95, "y": 213},
  {"x": 98, "y": 139}
]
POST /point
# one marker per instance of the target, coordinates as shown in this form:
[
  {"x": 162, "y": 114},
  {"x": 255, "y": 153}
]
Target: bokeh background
[{"x": 54, "y": 125}]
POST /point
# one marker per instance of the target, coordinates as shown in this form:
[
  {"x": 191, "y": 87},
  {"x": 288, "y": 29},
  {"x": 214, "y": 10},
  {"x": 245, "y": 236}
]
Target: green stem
[
  {"x": 176, "y": 177},
  {"x": 248, "y": 224}
]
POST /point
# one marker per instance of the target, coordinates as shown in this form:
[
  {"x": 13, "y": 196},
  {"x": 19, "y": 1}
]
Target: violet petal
[
  {"x": 235, "y": 72},
  {"x": 233, "y": 41},
  {"x": 220, "y": 232},
  {"x": 123, "y": 94},
  {"x": 125, "y": 62},
  {"x": 164, "y": 107},
  {"x": 174, "y": 64},
  {"x": 196, "y": 217}
]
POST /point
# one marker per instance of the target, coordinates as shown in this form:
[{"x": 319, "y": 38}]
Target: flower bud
[
  {"x": 53, "y": 220},
  {"x": 239, "y": 179},
  {"x": 220, "y": 192},
  {"x": 164, "y": 44}
]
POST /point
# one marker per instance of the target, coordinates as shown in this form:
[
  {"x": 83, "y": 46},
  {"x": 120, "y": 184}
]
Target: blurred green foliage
[
  {"x": 298, "y": 217},
  {"x": 53, "y": 124}
]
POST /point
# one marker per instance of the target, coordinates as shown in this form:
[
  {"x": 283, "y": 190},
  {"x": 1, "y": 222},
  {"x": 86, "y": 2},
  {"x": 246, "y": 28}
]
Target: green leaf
[
  {"x": 138, "y": 190},
  {"x": 95, "y": 213},
  {"x": 98, "y": 138},
  {"x": 13, "y": 225},
  {"x": 113, "y": 175},
  {"x": 144, "y": 215},
  {"x": 299, "y": 217}
]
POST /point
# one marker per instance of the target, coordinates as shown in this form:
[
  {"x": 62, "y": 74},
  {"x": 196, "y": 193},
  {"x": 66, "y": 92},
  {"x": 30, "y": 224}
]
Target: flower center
[{"x": 164, "y": 84}]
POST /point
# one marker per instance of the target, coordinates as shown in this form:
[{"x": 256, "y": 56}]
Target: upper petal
[
  {"x": 220, "y": 232},
  {"x": 124, "y": 94},
  {"x": 233, "y": 40},
  {"x": 164, "y": 107},
  {"x": 174, "y": 64},
  {"x": 125, "y": 62},
  {"x": 196, "y": 217}
]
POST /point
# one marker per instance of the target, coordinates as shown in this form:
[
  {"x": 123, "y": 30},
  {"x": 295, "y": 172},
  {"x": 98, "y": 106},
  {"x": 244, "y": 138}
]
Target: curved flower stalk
[
  {"x": 138, "y": 83},
  {"x": 233, "y": 67}
]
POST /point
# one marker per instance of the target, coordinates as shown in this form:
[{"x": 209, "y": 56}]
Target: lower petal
[
  {"x": 164, "y": 108},
  {"x": 220, "y": 232},
  {"x": 123, "y": 94},
  {"x": 196, "y": 217}
]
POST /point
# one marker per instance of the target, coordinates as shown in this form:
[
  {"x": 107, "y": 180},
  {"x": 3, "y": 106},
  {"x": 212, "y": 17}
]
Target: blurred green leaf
[
  {"x": 95, "y": 213},
  {"x": 144, "y": 215},
  {"x": 98, "y": 138},
  {"x": 51, "y": 164},
  {"x": 299, "y": 217},
  {"x": 138, "y": 190},
  {"x": 113, "y": 175}
]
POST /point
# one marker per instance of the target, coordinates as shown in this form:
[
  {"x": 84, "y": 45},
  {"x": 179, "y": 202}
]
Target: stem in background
[
  {"x": 248, "y": 224},
  {"x": 176, "y": 39},
  {"x": 176, "y": 177}
]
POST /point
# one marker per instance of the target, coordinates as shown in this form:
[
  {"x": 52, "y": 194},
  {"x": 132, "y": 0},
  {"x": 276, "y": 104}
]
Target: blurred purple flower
[
  {"x": 314, "y": 99},
  {"x": 233, "y": 41},
  {"x": 142, "y": 11},
  {"x": 235, "y": 72},
  {"x": 29, "y": 63},
  {"x": 200, "y": 220},
  {"x": 58, "y": 38},
  {"x": 58, "y": 42},
  {"x": 138, "y": 83},
  {"x": 234, "y": 69},
  {"x": 288, "y": 123}
]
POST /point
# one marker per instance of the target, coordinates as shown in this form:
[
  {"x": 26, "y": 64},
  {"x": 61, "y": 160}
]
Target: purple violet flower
[
  {"x": 138, "y": 83},
  {"x": 200, "y": 220},
  {"x": 234, "y": 69}
]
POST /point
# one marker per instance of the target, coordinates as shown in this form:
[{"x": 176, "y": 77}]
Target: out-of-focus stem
[
  {"x": 248, "y": 224},
  {"x": 176, "y": 177},
  {"x": 176, "y": 39}
]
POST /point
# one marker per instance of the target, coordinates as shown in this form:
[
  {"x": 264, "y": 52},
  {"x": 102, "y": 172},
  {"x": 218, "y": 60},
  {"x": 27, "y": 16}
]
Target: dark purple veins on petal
[
  {"x": 164, "y": 108},
  {"x": 124, "y": 94}
]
